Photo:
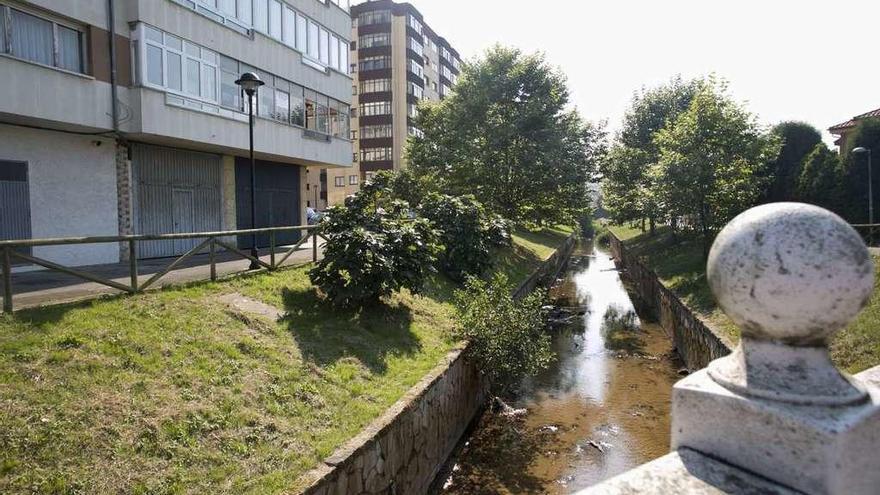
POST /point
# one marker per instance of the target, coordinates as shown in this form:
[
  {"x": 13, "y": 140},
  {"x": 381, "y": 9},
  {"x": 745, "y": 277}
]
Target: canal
[{"x": 602, "y": 407}]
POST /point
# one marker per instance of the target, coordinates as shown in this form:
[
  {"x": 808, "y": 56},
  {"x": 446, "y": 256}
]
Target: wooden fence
[{"x": 210, "y": 240}]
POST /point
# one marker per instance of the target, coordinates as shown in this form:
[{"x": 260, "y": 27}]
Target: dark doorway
[{"x": 278, "y": 199}]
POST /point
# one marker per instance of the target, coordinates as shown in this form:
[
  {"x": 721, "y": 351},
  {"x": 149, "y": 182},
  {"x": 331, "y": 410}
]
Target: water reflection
[{"x": 600, "y": 409}]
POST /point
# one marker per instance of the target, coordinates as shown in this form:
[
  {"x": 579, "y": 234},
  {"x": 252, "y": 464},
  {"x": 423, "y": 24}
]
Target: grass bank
[
  {"x": 680, "y": 265},
  {"x": 177, "y": 392}
]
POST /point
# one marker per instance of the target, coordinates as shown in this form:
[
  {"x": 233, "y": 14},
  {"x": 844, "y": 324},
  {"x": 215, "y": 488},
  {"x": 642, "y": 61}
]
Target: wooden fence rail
[{"x": 210, "y": 241}]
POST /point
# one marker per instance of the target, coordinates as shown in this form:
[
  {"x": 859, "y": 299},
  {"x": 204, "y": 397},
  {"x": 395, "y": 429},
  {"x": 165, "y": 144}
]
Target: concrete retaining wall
[
  {"x": 402, "y": 452},
  {"x": 695, "y": 342}
]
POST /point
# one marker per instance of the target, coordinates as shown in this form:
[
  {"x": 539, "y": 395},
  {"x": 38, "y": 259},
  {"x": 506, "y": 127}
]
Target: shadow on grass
[{"x": 326, "y": 334}]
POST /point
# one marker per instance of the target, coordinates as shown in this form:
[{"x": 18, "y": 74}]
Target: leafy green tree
[
  {"x": 507, "y": 337},
  {"x": 712, "y": 159},
  {"x": 854, "y": 188},
  {"x": 505, "y": 136},
  {"x": 627, "y": 189},
  {"x": 798, "y": 139},
  {"x": 374, "y": 248},
  {"x": 467, "y": 232},
  {"x": 820, "y": 179}
]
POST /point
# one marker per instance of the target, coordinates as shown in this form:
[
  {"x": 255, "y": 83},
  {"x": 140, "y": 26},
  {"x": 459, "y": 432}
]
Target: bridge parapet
[{"x": 776, "y": 414}]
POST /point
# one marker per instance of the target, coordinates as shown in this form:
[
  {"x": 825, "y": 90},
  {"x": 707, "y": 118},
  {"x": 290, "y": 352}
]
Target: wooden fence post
[
  {"x": 7, "y": 282},
  {"x": 133, "y": 265},
  {"x": 314, "y": 246},
  {"x": 211, "y": 258}
]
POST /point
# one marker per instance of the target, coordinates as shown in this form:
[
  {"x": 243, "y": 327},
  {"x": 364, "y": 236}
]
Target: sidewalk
[{"x": 41, "y": 287}]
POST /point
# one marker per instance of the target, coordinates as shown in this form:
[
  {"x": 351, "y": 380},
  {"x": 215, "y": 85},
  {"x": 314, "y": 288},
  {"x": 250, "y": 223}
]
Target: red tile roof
[{"x": 852, "y": 122}]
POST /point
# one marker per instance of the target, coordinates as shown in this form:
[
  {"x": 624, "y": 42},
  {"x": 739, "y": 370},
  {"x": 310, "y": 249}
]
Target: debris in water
[
  {"x": 565, "y": 480},
  {"x": 596, "y": 446},
  {"x": 505, "y": 410},
  {"x": 549, "y": 429},
  {"x": 684, "y": 372}
]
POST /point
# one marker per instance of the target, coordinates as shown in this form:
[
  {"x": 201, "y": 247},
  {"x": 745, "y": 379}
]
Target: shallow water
[{"x": 602, "y": 407}]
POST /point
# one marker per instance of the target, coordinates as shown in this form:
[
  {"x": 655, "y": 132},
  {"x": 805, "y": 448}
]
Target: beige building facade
[
  {"x": 396, "y": 61},
  {"x": 151, "y": 135}
]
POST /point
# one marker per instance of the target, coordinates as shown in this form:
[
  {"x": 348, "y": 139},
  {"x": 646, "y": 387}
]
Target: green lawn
[
  {"x": 681, "y": 267},
  {"x": 173, "y": 392}
]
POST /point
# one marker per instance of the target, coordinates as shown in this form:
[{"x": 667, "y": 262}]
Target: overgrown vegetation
[
  {"x": 176, "y": 392},
  {"x": 507, "y": 337},
  {"x": 678, "y": 263}
]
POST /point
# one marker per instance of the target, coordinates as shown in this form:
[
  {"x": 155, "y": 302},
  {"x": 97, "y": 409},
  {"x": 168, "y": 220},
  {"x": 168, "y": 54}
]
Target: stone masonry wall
[
  {"x": 695, "y": 342},
  {"x": 402, "y": 452}
]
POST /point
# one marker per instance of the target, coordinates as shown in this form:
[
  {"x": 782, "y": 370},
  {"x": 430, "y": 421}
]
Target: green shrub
[
  {"x": 507, "y": 337},
  {"x": 467, "y": 233},
  {"x": 374, "y": 248},
  {"x": 585, "y": 225}
]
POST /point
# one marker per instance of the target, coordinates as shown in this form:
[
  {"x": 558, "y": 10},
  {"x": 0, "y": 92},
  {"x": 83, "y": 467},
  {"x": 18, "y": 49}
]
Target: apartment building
[
  {"x": 149, "y": 133},
  {"x": 396, "y": 61}
]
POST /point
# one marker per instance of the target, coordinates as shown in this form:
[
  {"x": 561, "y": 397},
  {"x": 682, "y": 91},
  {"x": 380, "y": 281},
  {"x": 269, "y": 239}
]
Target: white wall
[{"x": 72, "y": 186}]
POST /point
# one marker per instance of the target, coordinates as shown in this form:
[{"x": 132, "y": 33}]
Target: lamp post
[
  {"x": 860, "y": 151},
  {"x": 250, "y": 83}
]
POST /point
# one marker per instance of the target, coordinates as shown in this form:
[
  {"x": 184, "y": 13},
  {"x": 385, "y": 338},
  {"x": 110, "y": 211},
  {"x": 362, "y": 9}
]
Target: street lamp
[
  {"x": 860, "y": 151},
  {"x": 250, "y": 83}
]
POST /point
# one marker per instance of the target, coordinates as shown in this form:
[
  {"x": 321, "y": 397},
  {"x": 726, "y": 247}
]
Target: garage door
[
  {"x": 15, "y": 207},
  {"x": 176, "y": 192},
  {"x": 277, "y": 199}
]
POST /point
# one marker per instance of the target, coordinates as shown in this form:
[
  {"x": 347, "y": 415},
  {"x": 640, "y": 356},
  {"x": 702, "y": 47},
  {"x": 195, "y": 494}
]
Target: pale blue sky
[{"x": 787, "y": 59}]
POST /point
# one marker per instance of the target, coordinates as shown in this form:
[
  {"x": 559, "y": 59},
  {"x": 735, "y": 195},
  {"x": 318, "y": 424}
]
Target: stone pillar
[
  {"x": 124, "y": 195},
  {"x": 790, "y": 275}
]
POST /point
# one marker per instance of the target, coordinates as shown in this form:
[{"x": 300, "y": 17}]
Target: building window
[
  {"x": 375, "y": 63},
  {"x": 283, "y": 23},
  {"x": 415, "y": 46},
  {"x": 178, "y": 66},
  {"x": 369, "y": 176},
  {"x": 354, "y": 157},
  {"x": 376, "y": 17},
  {"x": 416, "y": 68},
  {"x": 415, "y": 90},
  {"x": 375, "y": 86},
  {"x": 29, "y": 37},
  {"x": 340, "y": 181},
  {"x": 412, "y": 111},
  {"x": 375, "y": 108},
  {"x": 352, "y": 180},
  {"x": 415, "y": 24},
  {"x": 415, "y": 132},
  {"x": 376, "y": 131},
  {"x": 371, "y": 40},
  {"x": 376, "y": 154}
]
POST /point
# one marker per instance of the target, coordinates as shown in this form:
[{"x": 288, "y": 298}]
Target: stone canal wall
[
  {"x": 696, "y": 343},
  {"x": 402, "y": 452}
]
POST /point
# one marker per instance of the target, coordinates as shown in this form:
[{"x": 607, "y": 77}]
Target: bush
[
  {"x": 374, "y": 248},
  {"x": 466, "y": 231},
  {"x": 507, "y": 337}
]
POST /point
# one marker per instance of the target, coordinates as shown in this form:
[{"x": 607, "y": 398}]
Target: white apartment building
[{"x": 154, "y": 139}]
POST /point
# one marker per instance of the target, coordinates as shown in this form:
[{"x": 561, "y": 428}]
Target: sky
[{"x": 809, "y": 60}]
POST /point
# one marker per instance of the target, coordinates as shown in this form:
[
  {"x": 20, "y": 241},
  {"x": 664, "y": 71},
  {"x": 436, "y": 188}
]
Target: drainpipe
[{"x": 113, "y": 91}]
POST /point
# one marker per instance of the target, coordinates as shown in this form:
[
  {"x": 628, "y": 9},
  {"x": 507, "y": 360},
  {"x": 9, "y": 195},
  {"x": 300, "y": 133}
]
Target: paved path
[{"x": 41, "y": 287}]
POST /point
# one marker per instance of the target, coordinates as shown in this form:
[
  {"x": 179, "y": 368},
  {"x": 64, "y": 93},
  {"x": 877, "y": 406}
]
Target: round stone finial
[{"x": 790, "y": 272}]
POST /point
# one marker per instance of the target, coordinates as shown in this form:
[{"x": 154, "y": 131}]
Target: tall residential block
[
  {"x": 396, "y": 61},
  {"x": 123, "y": 116}
]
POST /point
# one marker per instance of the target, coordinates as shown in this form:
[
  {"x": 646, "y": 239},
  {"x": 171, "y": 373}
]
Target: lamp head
[
  {"x": 249, "y": 82},
  {"x": 860, "y": 150}
]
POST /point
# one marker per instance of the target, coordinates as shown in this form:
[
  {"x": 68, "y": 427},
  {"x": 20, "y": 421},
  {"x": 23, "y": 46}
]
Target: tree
[
  {"x": 798, "y": 139},
  {"x": 712, "y": 159},
  {"x": 854, "y": 187},
  {"x": 374, "y": 247},
  {"x": 820, "y": 179},
  {"x": 627, "y": 188},
  {"x": 505, "y": 136}
]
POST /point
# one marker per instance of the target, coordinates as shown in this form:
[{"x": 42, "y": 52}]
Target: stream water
[{"x": 601, "y": 408}]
